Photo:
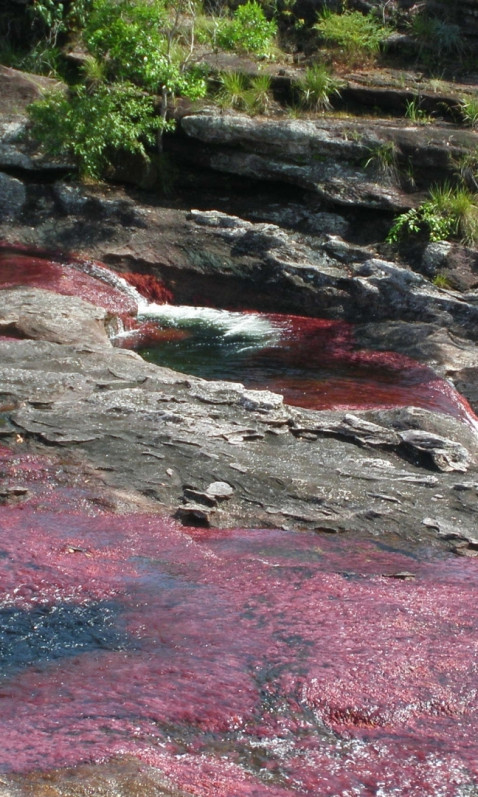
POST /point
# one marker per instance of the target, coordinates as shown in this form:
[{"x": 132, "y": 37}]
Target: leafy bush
[
  {"x": 449, "y": 213},
  {"x": 93, "y": 126},
  {"x": 136, "y": 40},
  {"x": 315, "y": 87},
  {"x": 357, "y": 35},
  {"x": 248, "y": 30}
]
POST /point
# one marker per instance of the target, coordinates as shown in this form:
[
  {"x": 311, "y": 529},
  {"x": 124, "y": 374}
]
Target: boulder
[
  {"x": 43, "y": 315},
  {"x": 12, "y": 196}
]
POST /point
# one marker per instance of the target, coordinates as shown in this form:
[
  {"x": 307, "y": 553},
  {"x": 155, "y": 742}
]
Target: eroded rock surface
[{"x": 217, "y": 454}]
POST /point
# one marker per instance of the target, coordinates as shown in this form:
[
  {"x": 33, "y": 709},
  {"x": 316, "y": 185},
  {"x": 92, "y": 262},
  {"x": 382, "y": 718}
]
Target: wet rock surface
[{"x": 217, "y": 454}]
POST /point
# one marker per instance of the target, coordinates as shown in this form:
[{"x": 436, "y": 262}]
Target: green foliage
[
  {"x": 92, "y": 126},
  {"x": 436, "y": 36},
  {"x": 137, "y": 42},
  {"x": 248, "y": 31},
  {"x": 469, "y": 111},
  {"x": 383, "y": 158},
  {"x": 315, "y": 88},
  {"x": 239, "y": 92},
  {"x": 57, "y": 17},
  {"x": 357, "y": 35},
  {"x": 449, "y": 213},
  {"x": 416, "y": 114}
]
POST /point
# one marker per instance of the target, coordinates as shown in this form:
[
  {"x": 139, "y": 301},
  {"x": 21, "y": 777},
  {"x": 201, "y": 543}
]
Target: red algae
[
  {"x": 258, "y": 663},
  {"x": 93, "y": 282},
  {"x": 353, "y": 378},
  {"x": 149, "y": 286}
]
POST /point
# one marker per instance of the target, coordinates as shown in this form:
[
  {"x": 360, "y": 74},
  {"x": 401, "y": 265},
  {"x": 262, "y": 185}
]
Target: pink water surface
[
  {"x": 351, "y": 377},
  {"x": 255, "y": 662},
  {"x": 28, "y": 266}
]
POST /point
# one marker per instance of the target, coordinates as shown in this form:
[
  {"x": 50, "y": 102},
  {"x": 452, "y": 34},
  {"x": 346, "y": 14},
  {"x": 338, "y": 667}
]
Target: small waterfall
[{"x": 253, "y": 329}]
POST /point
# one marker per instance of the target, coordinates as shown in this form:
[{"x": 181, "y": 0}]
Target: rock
[
  {"x": 446, "y": 454},
  {"x": 345, "y": 163},
  {"x": 190, "y": 445},
  {"x": 39, "y": 314},
  {"x": 219, "y": 490},
  {"x": 12, "y": 196},
  {"x": 18, "y": 89}
]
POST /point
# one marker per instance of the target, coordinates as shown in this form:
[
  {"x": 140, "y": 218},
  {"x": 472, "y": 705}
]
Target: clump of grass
[
  {"x": 241, "y": 93},
  {"x": 449, "y": 213},
  {"x": 465, "y": 166},
  {"x": 441, "y": 281},
  {"x": 94, "y": 71},
  {"x": 383, "y": 158},
  {"x": 469, "y": 111},
  {"x": 357, "y": 35},
  {"x": 315, "y": 88},
  {"x": 437, "y": 36},
  {"x": 233, "y": 91},
  {"x": 416, "y": 114},
  {"x": 258, "y": 95},
  {"x": 42, "y": 59}
]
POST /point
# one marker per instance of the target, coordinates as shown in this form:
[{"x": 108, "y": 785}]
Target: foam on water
[{"x": 252, "y": 326}]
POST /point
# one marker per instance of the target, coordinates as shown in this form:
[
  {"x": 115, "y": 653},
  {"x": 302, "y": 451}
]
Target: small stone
[{"x": 220, "y": 490}]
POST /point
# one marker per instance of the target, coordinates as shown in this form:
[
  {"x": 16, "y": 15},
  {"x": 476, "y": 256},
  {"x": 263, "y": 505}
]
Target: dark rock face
[{"x": 348, "y": 163}]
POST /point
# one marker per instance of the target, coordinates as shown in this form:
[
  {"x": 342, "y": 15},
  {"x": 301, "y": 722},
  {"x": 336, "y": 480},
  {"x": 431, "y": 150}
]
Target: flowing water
[
  {"x": 314, "y": 363},
  {"x": 242, "y": 663}
]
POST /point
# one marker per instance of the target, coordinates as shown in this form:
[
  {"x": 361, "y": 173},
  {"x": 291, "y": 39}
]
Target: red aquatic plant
[{"x": 254, "y": 663}]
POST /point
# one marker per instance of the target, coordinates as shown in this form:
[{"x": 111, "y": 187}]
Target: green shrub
[
  {"x": 93, "y": 126},
  {"x": 449, "y": 213},
  {"x": 248, "y": 31},
  {"x": 315, "y": 88},
  {"x": 357, "y": 35},
  {"x": 437, "y": 36},
  {"x": 138, "y": 42}
]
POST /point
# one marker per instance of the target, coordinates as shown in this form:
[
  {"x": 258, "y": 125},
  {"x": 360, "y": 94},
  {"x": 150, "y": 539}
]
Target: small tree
[
  {"x": 93, "y": 126},
  {"x": 148, "y": 44}
]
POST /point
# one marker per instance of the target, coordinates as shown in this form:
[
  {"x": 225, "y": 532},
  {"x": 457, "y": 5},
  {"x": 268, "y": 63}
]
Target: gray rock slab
[
  {"x": 39, "y": 314},
  {"x": 218, "y": 454}
]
